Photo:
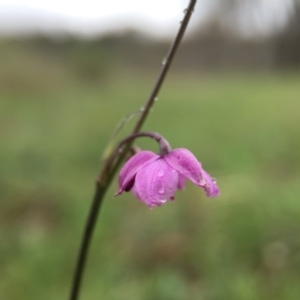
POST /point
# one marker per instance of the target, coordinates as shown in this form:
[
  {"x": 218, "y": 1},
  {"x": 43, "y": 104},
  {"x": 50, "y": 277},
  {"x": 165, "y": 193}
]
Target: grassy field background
[{"x": 244, "y": 129}]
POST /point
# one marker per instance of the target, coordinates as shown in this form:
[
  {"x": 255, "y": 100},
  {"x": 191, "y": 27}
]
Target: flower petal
[
  {"x": 181, "y": 182},
  {"x": 184, "y": 162},
  {"x": 209, "y": 184},
  {"x": 131, "y": 167},
  {"x": 155, "y": 183}
]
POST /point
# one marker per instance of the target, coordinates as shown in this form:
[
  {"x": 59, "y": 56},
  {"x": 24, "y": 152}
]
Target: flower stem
[
  {"x": 164, "y": 146},
  {"x": 106, "y": 177},
  {"x": 165, "y": 66}
]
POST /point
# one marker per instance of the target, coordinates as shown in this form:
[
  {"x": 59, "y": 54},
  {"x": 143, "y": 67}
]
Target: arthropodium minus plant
[{"x": 167, "y": 161}]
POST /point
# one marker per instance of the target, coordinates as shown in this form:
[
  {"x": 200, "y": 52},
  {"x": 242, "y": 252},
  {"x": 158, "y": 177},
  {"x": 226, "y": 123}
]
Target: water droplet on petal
[
  {"x": 161, "y": 190},
  {"x": 214, "y": 180},
  {"x": 160, "y": 173},
  {"x": 163, "y": 200},
  {"x": 202, "y": 182}
]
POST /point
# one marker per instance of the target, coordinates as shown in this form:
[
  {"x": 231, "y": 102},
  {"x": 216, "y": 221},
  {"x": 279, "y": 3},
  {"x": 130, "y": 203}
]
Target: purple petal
[
  {"x": 132, "y": 166},
  {"x": 209, "y": 184},
  {"x": 156, "y": 183},
  {"x": 181, "y": 182},
  {"x": 185, "y": 163}
]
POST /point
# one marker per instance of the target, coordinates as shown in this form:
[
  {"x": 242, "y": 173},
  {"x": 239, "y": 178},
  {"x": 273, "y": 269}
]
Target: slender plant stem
[
  {"x": 107, "y": 173},
  {"x": 164, "y": 146},
  {"x": 165, "y": 66}
]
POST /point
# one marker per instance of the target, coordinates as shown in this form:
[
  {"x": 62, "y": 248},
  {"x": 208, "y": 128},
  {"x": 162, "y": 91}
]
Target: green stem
[{"x": 107, "y": 173}]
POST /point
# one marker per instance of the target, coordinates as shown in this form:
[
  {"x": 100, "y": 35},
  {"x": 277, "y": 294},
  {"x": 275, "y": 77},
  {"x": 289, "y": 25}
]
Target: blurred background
[{"x": 69, "y": 72}]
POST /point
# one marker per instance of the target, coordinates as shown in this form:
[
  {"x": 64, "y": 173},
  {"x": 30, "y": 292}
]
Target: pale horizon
[{"x": 90, "y": 18}]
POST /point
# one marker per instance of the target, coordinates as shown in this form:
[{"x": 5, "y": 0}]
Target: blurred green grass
[{"x": 243, "y": 245}]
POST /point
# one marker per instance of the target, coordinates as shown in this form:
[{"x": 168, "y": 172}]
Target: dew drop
[
  {"x": 161, "y": 190},
  {"x": 156, "y": 99},
  {"x": 202, "y": 182},
  {"x": 163, "y": 200},
  {"x": 164, "y": 61},
  {"x": 142, "y": 108},
  {"x": 160, "y": 173}
]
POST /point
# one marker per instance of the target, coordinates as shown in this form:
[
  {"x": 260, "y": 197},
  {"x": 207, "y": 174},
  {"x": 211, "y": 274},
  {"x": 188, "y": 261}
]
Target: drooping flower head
[{"x": 155, "y": 178}]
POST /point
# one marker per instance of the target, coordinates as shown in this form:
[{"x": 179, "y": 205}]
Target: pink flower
[{"x": 154, "y": 179}]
